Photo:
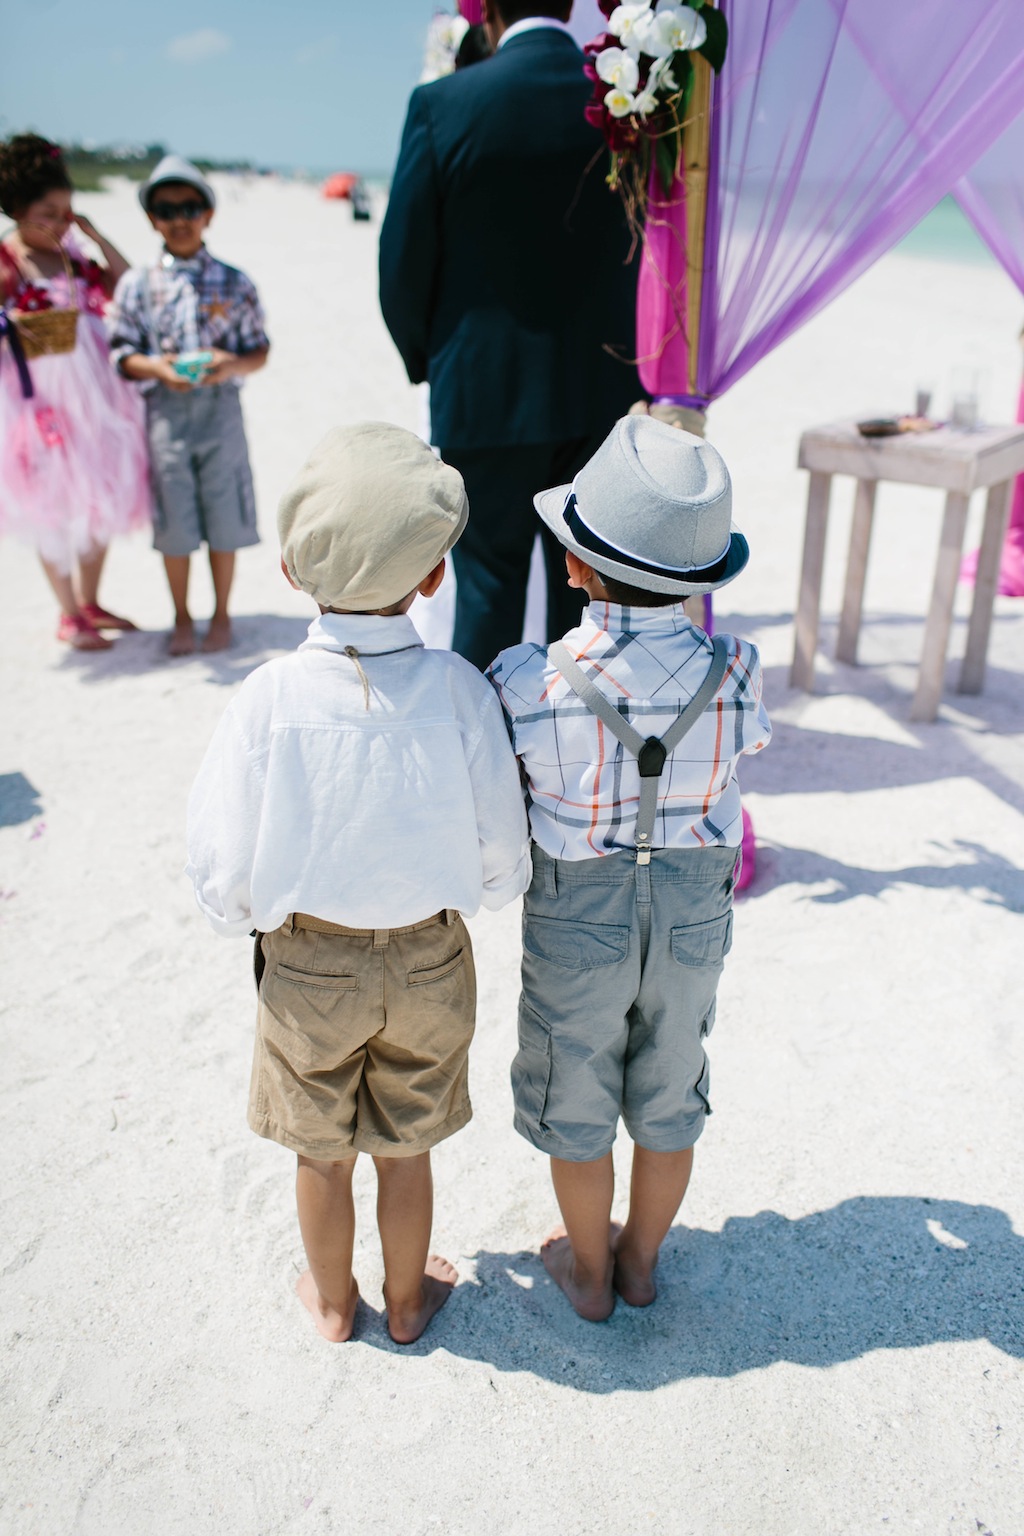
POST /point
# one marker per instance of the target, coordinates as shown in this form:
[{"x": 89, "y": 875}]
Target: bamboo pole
[{"x": 696, "y": 152}]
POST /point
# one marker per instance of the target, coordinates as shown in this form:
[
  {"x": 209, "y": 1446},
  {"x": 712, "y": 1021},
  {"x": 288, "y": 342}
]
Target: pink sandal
[
  {"x": 102, "y": 618},
  {"x": 75, "y": 630}
]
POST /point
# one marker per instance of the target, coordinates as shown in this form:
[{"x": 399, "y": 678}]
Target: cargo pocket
[
  {"x": 531, "y": 1069},
  {"x": 575, "y": 946},
  {"x": 702, "y": 1087},
  {"x": 703, "y": 944}
]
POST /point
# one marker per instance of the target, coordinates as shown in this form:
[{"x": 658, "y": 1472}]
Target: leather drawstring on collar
[{"x": 353, "y": 656}]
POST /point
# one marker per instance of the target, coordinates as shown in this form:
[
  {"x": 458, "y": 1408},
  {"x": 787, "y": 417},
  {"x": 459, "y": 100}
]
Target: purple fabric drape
[{"x": 837, "y": 125}]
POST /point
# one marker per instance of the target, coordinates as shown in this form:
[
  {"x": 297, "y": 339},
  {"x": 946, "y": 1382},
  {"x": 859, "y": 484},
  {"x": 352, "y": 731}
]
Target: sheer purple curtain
[
  {"x": 837, "y": 125},
  {"x": 992, "y": 196}
]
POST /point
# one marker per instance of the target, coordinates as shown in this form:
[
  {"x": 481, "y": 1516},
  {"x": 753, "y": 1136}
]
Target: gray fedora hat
[
  {"x": 652, "y": 508},
  {"x": 174, "y": 168}
]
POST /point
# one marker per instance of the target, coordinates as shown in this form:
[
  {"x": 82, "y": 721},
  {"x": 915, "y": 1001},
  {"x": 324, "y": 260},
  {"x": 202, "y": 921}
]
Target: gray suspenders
[{"x": 651, "y": 754}]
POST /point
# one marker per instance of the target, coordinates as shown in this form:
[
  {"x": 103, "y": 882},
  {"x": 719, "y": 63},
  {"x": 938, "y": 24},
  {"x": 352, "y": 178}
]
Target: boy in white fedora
[
  {"x": 357, "y": 797},
  {"x": 628, "y": 733}
]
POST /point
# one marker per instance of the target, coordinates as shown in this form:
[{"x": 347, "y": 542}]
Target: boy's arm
[
  {"x": 755, "y": 727},
  {"x": 224, "y": 811},
  {"x": 253, "y": 341},
  {"x": 128, "y": 336},
  {"x": 500, "y": 813}
]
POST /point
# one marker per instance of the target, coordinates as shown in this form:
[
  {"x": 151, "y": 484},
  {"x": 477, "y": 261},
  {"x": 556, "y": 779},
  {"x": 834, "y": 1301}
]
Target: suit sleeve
[{"x": 410, "y": 242}]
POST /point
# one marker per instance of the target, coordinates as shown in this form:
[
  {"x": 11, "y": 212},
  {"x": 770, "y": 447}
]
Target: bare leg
[
  {"x": 74, "y": 627},
  {"x": 656, "y": 1192},
  {"x": 183, "y": 640},
  {"x": 63, "y": 589},
  {"x": 580, "y": 1260},
  {"x": 90, "y": 569},
  {"x": 416, "y": 1284},
  {"x": 222, "y": 569},
  {"x": 327, "y": 1221}
]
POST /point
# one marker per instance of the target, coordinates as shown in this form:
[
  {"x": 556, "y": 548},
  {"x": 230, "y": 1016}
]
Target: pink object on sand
[
  {"x": 748, "y": 848},
  {"x": 1011, "y": 566}
]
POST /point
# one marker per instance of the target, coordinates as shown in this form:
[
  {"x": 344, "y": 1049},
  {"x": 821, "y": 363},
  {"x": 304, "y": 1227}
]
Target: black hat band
[{"x": 595, "y": 545}]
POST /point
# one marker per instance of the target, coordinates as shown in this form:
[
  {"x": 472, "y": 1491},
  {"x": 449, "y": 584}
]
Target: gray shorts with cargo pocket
[{"x": 620, "y": 968}]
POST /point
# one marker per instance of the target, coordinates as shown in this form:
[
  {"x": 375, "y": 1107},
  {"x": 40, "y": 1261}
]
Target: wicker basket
[{"x": 49, "y": 330}]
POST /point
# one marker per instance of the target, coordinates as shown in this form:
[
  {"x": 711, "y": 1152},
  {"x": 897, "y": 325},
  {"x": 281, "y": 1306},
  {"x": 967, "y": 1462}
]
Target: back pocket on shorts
[
  {"x": 575, "y": 946},
  {"x": 702, "y": 944},
  {"x": 308, "y": 1018}
]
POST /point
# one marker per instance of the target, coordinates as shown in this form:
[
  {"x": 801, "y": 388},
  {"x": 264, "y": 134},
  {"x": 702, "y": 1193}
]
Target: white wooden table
[{"x": 953, "y": 461}]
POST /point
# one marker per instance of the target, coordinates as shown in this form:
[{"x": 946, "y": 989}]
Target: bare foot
[
  {"x": 218, "y": 636},
  {"x": 334, "y": 1325},
  {"x": 439, "y": 1279},
  {"x": 633, "y": 1280},
  {"x": 183, "y": 639},
  {"x": 592, "y": 1302}
]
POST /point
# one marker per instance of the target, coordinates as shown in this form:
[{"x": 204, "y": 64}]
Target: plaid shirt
[
  {"x": 582, "y": 785},
  {"x": 185, "y": 306}
]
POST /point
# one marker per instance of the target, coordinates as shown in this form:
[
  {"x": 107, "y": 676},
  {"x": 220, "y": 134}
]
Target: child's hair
[
  {"x": 30, "y": 166},
  {"x": 636, "y": 597}
]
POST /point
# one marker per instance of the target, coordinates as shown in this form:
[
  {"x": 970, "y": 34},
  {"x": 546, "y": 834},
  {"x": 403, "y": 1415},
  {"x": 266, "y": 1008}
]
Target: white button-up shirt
[{"x": 308, "y": 801}]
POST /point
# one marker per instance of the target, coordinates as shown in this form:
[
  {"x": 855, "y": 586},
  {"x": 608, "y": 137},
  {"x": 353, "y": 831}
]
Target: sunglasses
[{"x": 167, "y": 212}]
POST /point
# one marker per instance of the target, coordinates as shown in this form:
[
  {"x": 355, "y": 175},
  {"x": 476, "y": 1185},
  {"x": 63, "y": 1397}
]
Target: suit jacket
[{"x": 503, "y": 254}]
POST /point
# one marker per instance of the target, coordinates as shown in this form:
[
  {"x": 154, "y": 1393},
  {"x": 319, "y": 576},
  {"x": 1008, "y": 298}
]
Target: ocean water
[{"x": 946, "y": 234}]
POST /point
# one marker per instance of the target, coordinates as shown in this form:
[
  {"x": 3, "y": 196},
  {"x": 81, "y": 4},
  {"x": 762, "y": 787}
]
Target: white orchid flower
[
  {"x": 625, "y": 17},
  {"x": 620, "y": 103},
  {"x": 617, "y": 67},
  {"x": 679, "y": 26},
  {"x": 645, "y": 102},
  {"x": 661, "y": 77}
]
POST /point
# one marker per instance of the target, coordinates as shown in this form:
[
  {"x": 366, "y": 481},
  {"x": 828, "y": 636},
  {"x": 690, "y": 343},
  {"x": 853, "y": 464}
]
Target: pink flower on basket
[{"x": 31, "y": 299}]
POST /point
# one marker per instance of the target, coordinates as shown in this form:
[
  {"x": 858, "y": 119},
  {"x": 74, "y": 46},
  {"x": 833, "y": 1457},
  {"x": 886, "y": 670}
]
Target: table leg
[
  {"x": 940, "y": 613},
  {"x": 808, "y": 609},
  {"x": 972, "y": 673},
  {"x": 856, "y": 569}
]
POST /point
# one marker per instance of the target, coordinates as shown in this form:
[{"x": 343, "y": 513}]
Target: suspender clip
[{"x": 651, "y": 758}]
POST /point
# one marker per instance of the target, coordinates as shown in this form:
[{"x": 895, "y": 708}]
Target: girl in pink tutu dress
[{"x": 73, "y": 462}]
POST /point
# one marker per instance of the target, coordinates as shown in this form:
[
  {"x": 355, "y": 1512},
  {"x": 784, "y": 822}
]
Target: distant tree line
[{"x": 87, "y": 167}]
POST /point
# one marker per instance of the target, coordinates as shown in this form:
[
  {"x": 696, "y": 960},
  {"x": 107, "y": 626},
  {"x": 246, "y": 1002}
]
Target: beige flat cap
[{"x": 368, "y": 516}]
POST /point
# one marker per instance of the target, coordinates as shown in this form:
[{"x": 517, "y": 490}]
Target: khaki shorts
[{"x": 362, "y": 1037}]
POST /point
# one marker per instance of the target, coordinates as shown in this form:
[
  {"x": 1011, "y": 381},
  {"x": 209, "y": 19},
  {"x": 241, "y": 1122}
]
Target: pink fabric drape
[{"x": 473, "y": 11}]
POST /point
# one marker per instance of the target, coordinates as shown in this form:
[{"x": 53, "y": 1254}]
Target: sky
[{"x": 320, "y": 84}]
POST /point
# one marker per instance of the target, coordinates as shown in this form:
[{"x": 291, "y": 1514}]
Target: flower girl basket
[{"x": 49, "y": 330}]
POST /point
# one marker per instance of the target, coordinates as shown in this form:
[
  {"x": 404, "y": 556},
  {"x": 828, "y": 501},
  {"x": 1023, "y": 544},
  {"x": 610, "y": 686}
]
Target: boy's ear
[
  {"x": 286, "y": 573},
  {"x": 430, "y": 583},
  {"x": 579, "y": 572}
]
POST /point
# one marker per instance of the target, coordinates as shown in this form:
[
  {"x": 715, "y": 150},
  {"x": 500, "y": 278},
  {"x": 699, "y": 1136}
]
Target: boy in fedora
[
  {"x": 357, "y": 797},
  {"x": 628, "y": 733},
  {"x": 190, "y": 329}
]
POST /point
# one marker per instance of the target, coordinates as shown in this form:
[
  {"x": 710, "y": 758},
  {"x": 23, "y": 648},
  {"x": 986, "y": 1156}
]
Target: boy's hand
[
  {"x": 163, "y": 369},
  {"x": 223, "y": 367}
]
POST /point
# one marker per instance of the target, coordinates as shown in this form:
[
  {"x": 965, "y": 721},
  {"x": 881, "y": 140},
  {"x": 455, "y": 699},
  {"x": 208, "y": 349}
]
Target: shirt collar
[
  {"x": 618, "y": 619},
  {"x": 371, "y": 634},
  {"x": 532, "y": 24},
  {"x": 192, "y": 264}
]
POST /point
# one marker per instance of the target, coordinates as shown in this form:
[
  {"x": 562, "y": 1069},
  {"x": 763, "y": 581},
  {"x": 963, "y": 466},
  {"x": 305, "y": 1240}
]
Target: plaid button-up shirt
[
  {"x": 582, "y": 785},
  {"x": 185, "y": 306}
]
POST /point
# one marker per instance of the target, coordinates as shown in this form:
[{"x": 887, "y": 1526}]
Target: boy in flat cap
[
  {"x": 357, "y": 797},
  {"x": 628, "y": 733}
]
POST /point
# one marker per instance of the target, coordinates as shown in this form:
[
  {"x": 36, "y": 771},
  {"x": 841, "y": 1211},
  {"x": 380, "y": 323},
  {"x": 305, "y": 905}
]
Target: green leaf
[
  {"x": 666, "y": 148},
  {"x": 714, "y": 45}
]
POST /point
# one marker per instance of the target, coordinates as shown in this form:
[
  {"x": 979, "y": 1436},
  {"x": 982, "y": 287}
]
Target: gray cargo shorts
[
  {"x": 199, "y": 466},
  {"x": 620, "y": 968}
]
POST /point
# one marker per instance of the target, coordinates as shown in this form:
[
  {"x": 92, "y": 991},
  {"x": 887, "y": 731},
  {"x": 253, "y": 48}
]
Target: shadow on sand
[
  {"x": 872, "y": 1273},
  {"x": 257, "y": 638},
  {"x": 19, "y": 800}
]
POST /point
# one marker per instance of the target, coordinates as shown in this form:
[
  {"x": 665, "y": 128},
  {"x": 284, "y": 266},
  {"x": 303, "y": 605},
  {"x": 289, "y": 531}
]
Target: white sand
[{"x": 837, "y": 1347}]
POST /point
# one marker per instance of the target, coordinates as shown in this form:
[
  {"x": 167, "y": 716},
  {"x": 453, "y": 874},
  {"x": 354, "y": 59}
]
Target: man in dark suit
[{"x": 504, "y": 282}]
